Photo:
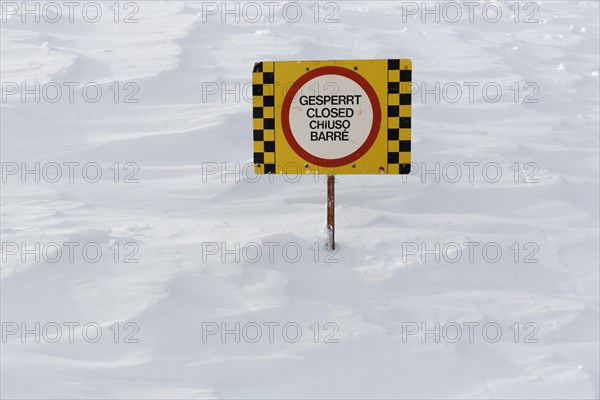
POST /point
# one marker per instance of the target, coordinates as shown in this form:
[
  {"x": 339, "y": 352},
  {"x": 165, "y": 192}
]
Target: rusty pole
[{"x": 331, "y": 210}]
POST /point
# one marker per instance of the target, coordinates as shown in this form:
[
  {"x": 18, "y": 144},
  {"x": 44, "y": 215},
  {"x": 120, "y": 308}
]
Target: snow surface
[{"x": 375, "y": 292}]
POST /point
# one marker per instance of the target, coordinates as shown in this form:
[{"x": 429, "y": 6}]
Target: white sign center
[{"x": 331, "y": 116}]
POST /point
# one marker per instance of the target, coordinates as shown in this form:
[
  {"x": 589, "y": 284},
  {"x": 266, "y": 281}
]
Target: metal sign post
[
  {"x": 331, "y": 211},
  {"x": 331, "y": 117}
]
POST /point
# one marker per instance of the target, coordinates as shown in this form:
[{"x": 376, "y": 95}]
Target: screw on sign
[{"x": 332, "y": 117}]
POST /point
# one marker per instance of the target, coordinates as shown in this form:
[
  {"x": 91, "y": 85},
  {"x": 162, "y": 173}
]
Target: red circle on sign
[{"x": 287, "y": 104}]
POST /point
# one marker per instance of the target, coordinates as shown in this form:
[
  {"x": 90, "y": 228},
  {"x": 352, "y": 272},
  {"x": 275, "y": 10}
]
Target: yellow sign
[{"x": 332, "y": 117}]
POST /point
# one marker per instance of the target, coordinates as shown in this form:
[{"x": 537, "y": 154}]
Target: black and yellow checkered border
[
  {"x": 399, "y": 115},
  {"x": 263, "y": 117}
]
